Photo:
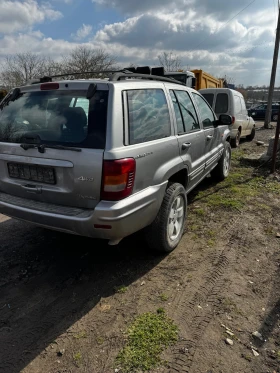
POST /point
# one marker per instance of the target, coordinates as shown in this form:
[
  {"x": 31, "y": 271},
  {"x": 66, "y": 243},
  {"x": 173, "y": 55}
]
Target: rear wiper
[{"x": 42, "y": 147}]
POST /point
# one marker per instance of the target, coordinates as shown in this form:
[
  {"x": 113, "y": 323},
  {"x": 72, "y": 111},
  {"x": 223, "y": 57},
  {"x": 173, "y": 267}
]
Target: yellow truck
[
  {"x": 205, "y": 80},
  {"x": 197, "y": 79}
]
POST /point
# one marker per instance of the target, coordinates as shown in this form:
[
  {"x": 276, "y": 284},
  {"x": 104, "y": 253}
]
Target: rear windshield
[
  {"x": 209, "y": 97},
  {"x": 57, "y": 117},
  {"x": 221, "y": 103}
]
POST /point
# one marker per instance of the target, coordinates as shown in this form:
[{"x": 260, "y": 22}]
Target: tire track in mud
[
  {"x": 169, "y": 271},
  {"x": 195, "y": 314}
]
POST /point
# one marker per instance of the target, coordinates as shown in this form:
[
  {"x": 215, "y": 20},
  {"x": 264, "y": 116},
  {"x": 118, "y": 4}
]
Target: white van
[{"x": 231, "y": 102}]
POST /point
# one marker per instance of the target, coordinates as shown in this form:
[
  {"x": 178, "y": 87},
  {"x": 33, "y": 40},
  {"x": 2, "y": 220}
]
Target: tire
[
  {"x": 221, "y": 171},
  {"x": 159, "y": 235},
  {"x": 235, "y": 142},
  {"x": 252, "y": 135},
  {"x": 274, "y": 117}
]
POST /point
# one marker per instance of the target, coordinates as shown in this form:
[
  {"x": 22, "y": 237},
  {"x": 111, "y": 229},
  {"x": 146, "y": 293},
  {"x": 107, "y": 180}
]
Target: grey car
[{"x": 107, "y": 158}]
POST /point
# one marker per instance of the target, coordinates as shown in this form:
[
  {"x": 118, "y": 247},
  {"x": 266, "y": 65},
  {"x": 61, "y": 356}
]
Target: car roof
[
  {"x": 219, "y": 90},
  {"x": 126, "y": 83}
]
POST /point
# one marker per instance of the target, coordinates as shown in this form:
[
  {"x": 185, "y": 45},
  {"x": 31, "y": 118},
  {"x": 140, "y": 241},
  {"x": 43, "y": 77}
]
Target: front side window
[
  {"x": 149, "y": 117},
  {"x": 221, "y": 106},
  {"x": 206, "y": 114},
  {"x": 56, "y": 117}
]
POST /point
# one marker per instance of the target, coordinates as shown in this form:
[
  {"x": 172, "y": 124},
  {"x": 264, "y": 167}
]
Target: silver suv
[{"x": 106, "y": 158}]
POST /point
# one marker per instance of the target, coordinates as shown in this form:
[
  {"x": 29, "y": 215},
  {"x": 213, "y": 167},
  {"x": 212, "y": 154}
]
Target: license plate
[{"x": 31, "y": 173}]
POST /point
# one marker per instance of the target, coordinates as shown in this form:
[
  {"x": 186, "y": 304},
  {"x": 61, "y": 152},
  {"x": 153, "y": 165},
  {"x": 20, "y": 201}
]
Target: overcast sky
[{"x": 206, "y": 34}]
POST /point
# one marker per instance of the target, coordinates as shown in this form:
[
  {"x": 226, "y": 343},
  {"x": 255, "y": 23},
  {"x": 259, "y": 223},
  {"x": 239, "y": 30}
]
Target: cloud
[
  {"x": 35, "y": 42},
  {"x": 82, "y": 32},
  {"x": 178, "y": 33},
  {"x": 19, "y": 15},
  {"x": 63, "y": 1},
  {"x": 222, "y": 10},
  {"x": 206, "y": 34}
]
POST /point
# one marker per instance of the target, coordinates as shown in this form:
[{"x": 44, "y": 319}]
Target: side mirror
[{"x": 225, "y": 119}]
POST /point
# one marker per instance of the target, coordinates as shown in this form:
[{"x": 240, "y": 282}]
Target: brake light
[
  {"x": 233, "y": 120},
  {"x": 49, "y": 86},
  {"x": 118, "y": 179}
]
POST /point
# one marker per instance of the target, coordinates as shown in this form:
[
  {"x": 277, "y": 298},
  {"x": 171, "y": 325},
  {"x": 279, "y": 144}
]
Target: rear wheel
[
  {"x": 274, "y": 117},
  {"x": 221, "y": 171},
  {"x": 252, "y": 135},
  {"x": 235, "y": 142},
  {"x": 166, "y": 231}
]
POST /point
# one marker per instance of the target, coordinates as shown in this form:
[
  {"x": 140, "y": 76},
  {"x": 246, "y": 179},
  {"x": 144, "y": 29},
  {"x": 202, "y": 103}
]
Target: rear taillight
[
  {"x": 233, "y": 120},
  {"x": 49, "y": 86},
  {"x": 118, "y": 179}
]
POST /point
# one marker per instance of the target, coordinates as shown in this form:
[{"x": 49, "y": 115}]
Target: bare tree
[
  {"x": 18, "y": 69},
  {"x": 51, "y": 67},
  {"x": 170, "y": 61},
  {"x": 83, "y": 59},
  {"x": 227, "y": 79}
]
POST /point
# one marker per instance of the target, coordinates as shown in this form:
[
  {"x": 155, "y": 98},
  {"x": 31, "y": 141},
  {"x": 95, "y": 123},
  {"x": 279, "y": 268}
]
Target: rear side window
[
  {"x": 149, "y": 117},
  {"x": 221, "y": 106},
  {"x": 56, "y": 117},
  {"x": 209, "y": 97}
]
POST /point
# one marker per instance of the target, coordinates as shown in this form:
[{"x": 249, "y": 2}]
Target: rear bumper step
[
  {"x": 123, "y": 217},
  {"x": 40, "y": 206}
]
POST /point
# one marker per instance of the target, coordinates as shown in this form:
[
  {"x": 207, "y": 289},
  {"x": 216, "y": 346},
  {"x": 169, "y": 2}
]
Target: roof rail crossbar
[
  {"x": 46, "y": 79},
  {"x": 117, "y": 76}
]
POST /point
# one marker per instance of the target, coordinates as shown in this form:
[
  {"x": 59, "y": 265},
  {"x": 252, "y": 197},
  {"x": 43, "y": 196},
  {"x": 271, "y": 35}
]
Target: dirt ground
[{"x": 60, "y": 311}]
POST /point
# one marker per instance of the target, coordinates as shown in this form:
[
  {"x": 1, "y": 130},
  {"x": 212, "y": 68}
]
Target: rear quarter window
[{"x": 148, "y": 115}]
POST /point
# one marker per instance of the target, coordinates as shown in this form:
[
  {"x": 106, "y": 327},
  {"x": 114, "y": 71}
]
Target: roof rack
[
  {"x": 120, "y": 75},
  {"x": 144, "y": 72}
]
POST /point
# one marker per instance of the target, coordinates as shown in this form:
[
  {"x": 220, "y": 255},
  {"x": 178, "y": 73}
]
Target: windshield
[{"x": 56, "y": 117}]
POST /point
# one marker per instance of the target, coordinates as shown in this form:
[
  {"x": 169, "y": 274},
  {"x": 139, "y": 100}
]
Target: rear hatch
[{"x": 52, "y": 140}]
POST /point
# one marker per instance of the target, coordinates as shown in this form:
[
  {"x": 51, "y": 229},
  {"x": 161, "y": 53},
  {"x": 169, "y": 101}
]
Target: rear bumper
[{"x": 123, "y": 217}]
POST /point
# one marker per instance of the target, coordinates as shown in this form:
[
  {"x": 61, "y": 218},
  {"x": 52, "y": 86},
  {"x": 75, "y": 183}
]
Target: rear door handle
[
  {"x": 209, "y": 137},
  {"x": 186, "y": 145},
  {"x": 32, "y": 188}
]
